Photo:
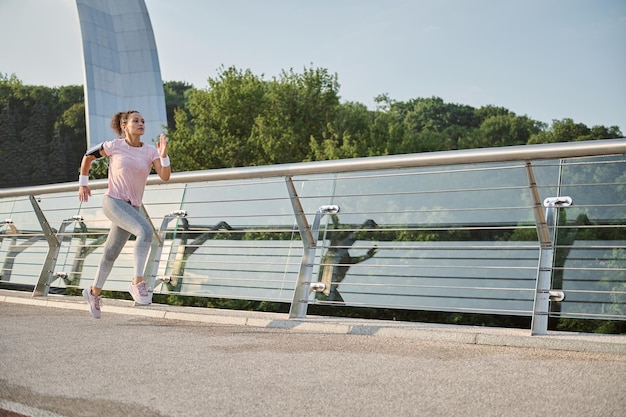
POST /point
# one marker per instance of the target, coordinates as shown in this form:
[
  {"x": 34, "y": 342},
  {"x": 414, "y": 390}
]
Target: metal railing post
[
  {"x": 156, "y": 249},
  {"x": 54, "y": 245},
  {"x": 309, "y": 242},
  {"x": 546, "y": 231}
]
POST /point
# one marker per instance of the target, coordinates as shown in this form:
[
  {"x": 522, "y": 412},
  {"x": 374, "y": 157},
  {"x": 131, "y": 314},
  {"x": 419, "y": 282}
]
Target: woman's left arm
[{"x": 162, "y": 165}]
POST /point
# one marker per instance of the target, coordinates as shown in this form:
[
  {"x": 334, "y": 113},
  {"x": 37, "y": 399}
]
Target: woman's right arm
[{"x": 84, "y": 192}]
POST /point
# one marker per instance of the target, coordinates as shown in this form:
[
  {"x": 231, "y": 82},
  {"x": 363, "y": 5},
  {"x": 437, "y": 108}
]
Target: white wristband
[
  {"x": 83, "y": 180},
  {"x": 165, "y": 162}
]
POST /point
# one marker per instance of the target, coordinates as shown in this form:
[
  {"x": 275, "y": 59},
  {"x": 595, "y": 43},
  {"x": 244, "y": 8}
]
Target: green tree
[
  {"x": 32, "y": 140},
  {"x": 501, "y": 130},
  {"x": 189, "y": 155},
  {"x": 298, "y": 108},
  {"x": 430, "y": 124},
  {"x": 224, "y": 116},
  {"x": 387, "y": 130},
  {"x": 348, "y": 136},
  {"x": 176, "y": 97},
  {"x": 69, "y": 137},
  {"x": 567, "y": 130}
]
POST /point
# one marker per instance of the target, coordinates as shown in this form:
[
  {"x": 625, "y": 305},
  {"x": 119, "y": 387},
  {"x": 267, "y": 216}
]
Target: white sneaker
[
  {"x": 94, "y": 303},
  {"x": 140, "y": 293}
]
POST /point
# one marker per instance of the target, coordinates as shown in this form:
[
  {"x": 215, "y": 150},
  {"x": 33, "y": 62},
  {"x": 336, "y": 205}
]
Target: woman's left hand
[{"x": 162, "y": 145}]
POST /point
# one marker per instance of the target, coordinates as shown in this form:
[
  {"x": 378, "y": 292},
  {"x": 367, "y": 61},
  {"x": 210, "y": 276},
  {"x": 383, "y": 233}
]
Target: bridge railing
[{"x": 536, "y": 231}]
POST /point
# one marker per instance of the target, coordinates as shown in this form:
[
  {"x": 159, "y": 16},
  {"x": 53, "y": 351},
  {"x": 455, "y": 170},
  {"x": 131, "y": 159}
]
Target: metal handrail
[{"x": 465, "y": 156}]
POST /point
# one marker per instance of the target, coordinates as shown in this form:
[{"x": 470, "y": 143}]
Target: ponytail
[{"x": 118, "y": 119}]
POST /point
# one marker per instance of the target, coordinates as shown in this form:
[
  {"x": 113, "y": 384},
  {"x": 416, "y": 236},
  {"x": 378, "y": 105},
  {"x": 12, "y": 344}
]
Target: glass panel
[
  {"x": 239, "y": 240},
  {"x": 424, "y": 239},
  {"x": 23, "y": 246},
  {"x": 590, "y": 257}
]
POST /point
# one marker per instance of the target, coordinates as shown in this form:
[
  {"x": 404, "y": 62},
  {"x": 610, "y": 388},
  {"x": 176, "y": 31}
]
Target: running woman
[{"x": 130, "y": 163}]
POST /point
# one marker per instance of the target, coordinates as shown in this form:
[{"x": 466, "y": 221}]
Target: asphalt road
[{"x": 61, "y": 362}]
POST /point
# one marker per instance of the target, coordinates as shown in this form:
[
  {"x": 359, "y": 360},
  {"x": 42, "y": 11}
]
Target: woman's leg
[
  {"x": 112, "y": 247},
  {"x": 126, "y": 220}
]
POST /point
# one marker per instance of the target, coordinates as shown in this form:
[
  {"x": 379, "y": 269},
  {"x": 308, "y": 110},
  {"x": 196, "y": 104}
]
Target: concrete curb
[{"x": 581, "y": 342}]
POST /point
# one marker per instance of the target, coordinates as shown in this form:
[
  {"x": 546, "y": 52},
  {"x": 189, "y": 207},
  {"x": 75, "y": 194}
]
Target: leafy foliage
[
  {"x": 42, "y": 133},
  {"x": 241, "y": 119}
]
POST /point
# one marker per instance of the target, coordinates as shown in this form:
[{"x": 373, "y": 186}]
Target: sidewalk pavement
[{"x": 489, "y": 336}]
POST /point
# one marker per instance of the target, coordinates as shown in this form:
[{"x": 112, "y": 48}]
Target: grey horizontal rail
[{"x": 465, "y": 156}]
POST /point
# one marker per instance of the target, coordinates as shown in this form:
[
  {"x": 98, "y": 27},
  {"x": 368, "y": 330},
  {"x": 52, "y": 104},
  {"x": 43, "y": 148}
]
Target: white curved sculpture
[{"x": 121, "y": 66}]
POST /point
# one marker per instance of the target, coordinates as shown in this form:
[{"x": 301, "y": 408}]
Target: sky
[{"x": 546, "y": 59}]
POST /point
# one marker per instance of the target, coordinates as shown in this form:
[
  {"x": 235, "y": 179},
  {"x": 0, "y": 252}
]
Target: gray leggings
[{"x": 126, "y": 220}]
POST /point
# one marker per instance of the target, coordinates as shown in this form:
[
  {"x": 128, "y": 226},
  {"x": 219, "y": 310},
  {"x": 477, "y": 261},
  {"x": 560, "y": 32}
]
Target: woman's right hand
[{"x": 84, "y": 192}]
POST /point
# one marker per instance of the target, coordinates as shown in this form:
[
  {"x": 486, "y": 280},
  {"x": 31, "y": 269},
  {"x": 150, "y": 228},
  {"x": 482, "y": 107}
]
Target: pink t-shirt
[{"x": 129, "y": 168}]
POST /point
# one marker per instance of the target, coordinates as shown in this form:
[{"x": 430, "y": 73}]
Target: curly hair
[{"x": 119, "y": 118}]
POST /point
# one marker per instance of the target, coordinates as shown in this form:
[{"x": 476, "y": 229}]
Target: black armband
[{"x": 95, "y": 151}]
